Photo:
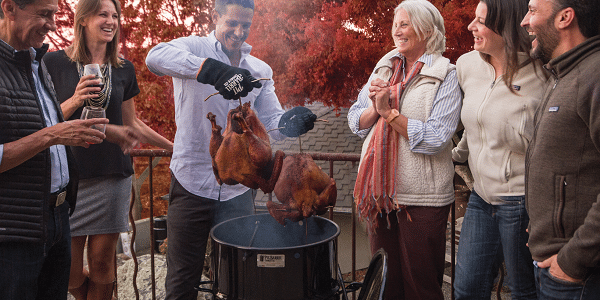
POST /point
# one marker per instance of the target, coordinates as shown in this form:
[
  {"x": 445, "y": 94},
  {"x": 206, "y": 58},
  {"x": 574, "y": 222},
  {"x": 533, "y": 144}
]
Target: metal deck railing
[{"x": 330, "y": 157}]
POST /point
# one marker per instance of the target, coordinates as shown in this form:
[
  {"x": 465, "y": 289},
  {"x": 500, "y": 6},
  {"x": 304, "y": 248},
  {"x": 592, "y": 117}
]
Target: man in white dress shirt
[{"x": 198, "y": 66}]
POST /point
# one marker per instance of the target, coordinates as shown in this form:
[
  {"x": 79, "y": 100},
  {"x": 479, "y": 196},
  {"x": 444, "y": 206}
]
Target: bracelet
[{"x": 393, "y": 115}]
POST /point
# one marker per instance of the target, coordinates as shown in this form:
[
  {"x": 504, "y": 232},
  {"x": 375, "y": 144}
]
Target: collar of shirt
[
  {"x": 245, "y": 49},
  {"x": 425, "y": 58},
  {"x": 33, "y": 53}
]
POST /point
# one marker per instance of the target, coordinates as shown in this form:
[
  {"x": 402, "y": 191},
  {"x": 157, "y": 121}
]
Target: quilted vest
[{"x": 25, "y": 189}]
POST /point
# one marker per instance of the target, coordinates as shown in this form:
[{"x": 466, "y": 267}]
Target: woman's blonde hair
[
  {"x": 428, "y": 23},
  {"x": 78, "y": 51}
]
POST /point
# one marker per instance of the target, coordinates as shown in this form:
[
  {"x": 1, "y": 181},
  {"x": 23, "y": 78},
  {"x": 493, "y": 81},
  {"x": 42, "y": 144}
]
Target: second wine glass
[{"x": 91, "y": 112}]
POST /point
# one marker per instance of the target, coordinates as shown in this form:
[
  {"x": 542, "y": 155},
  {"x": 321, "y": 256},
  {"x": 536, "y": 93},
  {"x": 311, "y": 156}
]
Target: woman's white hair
[{"x": 428, "y": 23}]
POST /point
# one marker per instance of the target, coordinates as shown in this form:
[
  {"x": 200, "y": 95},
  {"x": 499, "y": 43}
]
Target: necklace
[{"x": 104, "y": 96}]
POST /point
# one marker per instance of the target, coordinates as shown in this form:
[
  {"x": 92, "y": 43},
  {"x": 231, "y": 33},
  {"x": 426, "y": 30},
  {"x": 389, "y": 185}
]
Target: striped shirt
[{"x": 427, "y": 137}]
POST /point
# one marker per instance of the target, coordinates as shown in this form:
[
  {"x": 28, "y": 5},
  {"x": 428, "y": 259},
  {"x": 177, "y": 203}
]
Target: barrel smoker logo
[{"x": 270, "y": 260}]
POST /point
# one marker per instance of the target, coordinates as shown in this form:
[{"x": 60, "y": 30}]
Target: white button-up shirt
[{"x": 181, "y": 59}]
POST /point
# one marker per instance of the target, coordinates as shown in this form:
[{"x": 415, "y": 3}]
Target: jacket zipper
[
  {"x": 559, "y": 229},
  {"x": 481, "y": 128},
  {"x": 537, "y": 115}
]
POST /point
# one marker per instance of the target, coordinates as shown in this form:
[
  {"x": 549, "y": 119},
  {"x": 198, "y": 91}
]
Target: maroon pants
[{"x": 416, "y": 251}]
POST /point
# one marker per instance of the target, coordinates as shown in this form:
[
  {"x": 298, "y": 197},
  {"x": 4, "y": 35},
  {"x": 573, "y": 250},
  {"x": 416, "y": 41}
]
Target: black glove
[
  {"x": 297, "y": 121},
  {"x": 231, "y": 82}
]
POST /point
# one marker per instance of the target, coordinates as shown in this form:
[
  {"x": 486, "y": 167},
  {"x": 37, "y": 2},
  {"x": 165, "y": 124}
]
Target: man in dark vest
[{"x": 37, "y": 181}]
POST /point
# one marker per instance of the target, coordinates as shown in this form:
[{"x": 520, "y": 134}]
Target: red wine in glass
[
  {"x": 94, "y": 69},
  {"x": 101, "y": 86}
]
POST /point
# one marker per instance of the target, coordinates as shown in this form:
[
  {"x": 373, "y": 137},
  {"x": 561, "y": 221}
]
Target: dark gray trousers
[{"x": 189, "y": 220}]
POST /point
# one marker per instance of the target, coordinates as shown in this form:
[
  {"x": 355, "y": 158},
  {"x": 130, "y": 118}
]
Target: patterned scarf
[{"x": 375, "y": 185}]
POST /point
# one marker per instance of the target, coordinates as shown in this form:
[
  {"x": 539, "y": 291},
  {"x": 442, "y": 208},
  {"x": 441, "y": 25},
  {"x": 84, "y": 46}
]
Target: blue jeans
[
  {"x": 491, "y": 233},
  {"x": 552, "y": 288},
  {"x": 31, "y": 271}
]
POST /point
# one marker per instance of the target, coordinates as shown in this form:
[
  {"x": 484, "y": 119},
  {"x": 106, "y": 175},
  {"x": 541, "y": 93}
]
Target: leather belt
[{"x": 58, "y": 198}]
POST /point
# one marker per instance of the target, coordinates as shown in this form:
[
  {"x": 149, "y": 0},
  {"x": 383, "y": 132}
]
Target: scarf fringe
[{"x": 368, "y": 209}]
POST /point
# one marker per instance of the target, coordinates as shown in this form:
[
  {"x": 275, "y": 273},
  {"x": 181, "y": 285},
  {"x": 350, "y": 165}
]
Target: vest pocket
[{"x": 506, "y": 168}]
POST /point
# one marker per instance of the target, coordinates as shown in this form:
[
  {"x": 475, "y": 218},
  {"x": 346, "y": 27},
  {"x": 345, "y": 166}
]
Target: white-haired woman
[{"x": 408, "y": 112}]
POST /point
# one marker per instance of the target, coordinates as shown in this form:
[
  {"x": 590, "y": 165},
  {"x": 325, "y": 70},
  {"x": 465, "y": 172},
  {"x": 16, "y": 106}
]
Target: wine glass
[
  {"x": 94, "y": 69},
  {"x": 91, "y": 112}
]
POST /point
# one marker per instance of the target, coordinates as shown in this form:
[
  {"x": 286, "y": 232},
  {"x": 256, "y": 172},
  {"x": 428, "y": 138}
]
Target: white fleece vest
[{"x": 421, "y": 180}]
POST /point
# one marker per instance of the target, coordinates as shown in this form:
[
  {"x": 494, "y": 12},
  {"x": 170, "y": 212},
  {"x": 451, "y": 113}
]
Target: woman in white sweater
[{"x": 502, "y": 89}]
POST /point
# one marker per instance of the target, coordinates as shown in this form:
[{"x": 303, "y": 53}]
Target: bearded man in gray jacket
[{"x": 562, "y": 182}]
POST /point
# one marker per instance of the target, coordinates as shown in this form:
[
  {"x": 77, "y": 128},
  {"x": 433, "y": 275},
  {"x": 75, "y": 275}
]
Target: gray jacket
[{"x": 563, "y": 164}]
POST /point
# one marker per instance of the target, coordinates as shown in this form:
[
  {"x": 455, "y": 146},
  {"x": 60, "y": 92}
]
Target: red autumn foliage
[
  {"x": 324, "y": 51},
  {"x": 320, "y": 50}
]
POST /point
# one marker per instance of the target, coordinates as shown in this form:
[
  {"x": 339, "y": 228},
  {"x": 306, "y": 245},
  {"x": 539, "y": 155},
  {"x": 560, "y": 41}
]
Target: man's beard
[{"x": 547, "y": 40}]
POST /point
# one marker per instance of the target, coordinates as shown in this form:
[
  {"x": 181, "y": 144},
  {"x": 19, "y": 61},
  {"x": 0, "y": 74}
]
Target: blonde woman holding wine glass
[{"x": 105, "y": 169}]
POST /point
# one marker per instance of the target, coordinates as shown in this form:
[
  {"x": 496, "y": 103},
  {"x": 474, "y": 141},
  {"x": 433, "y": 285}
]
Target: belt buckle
[{"x": 60, "y": 198}]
